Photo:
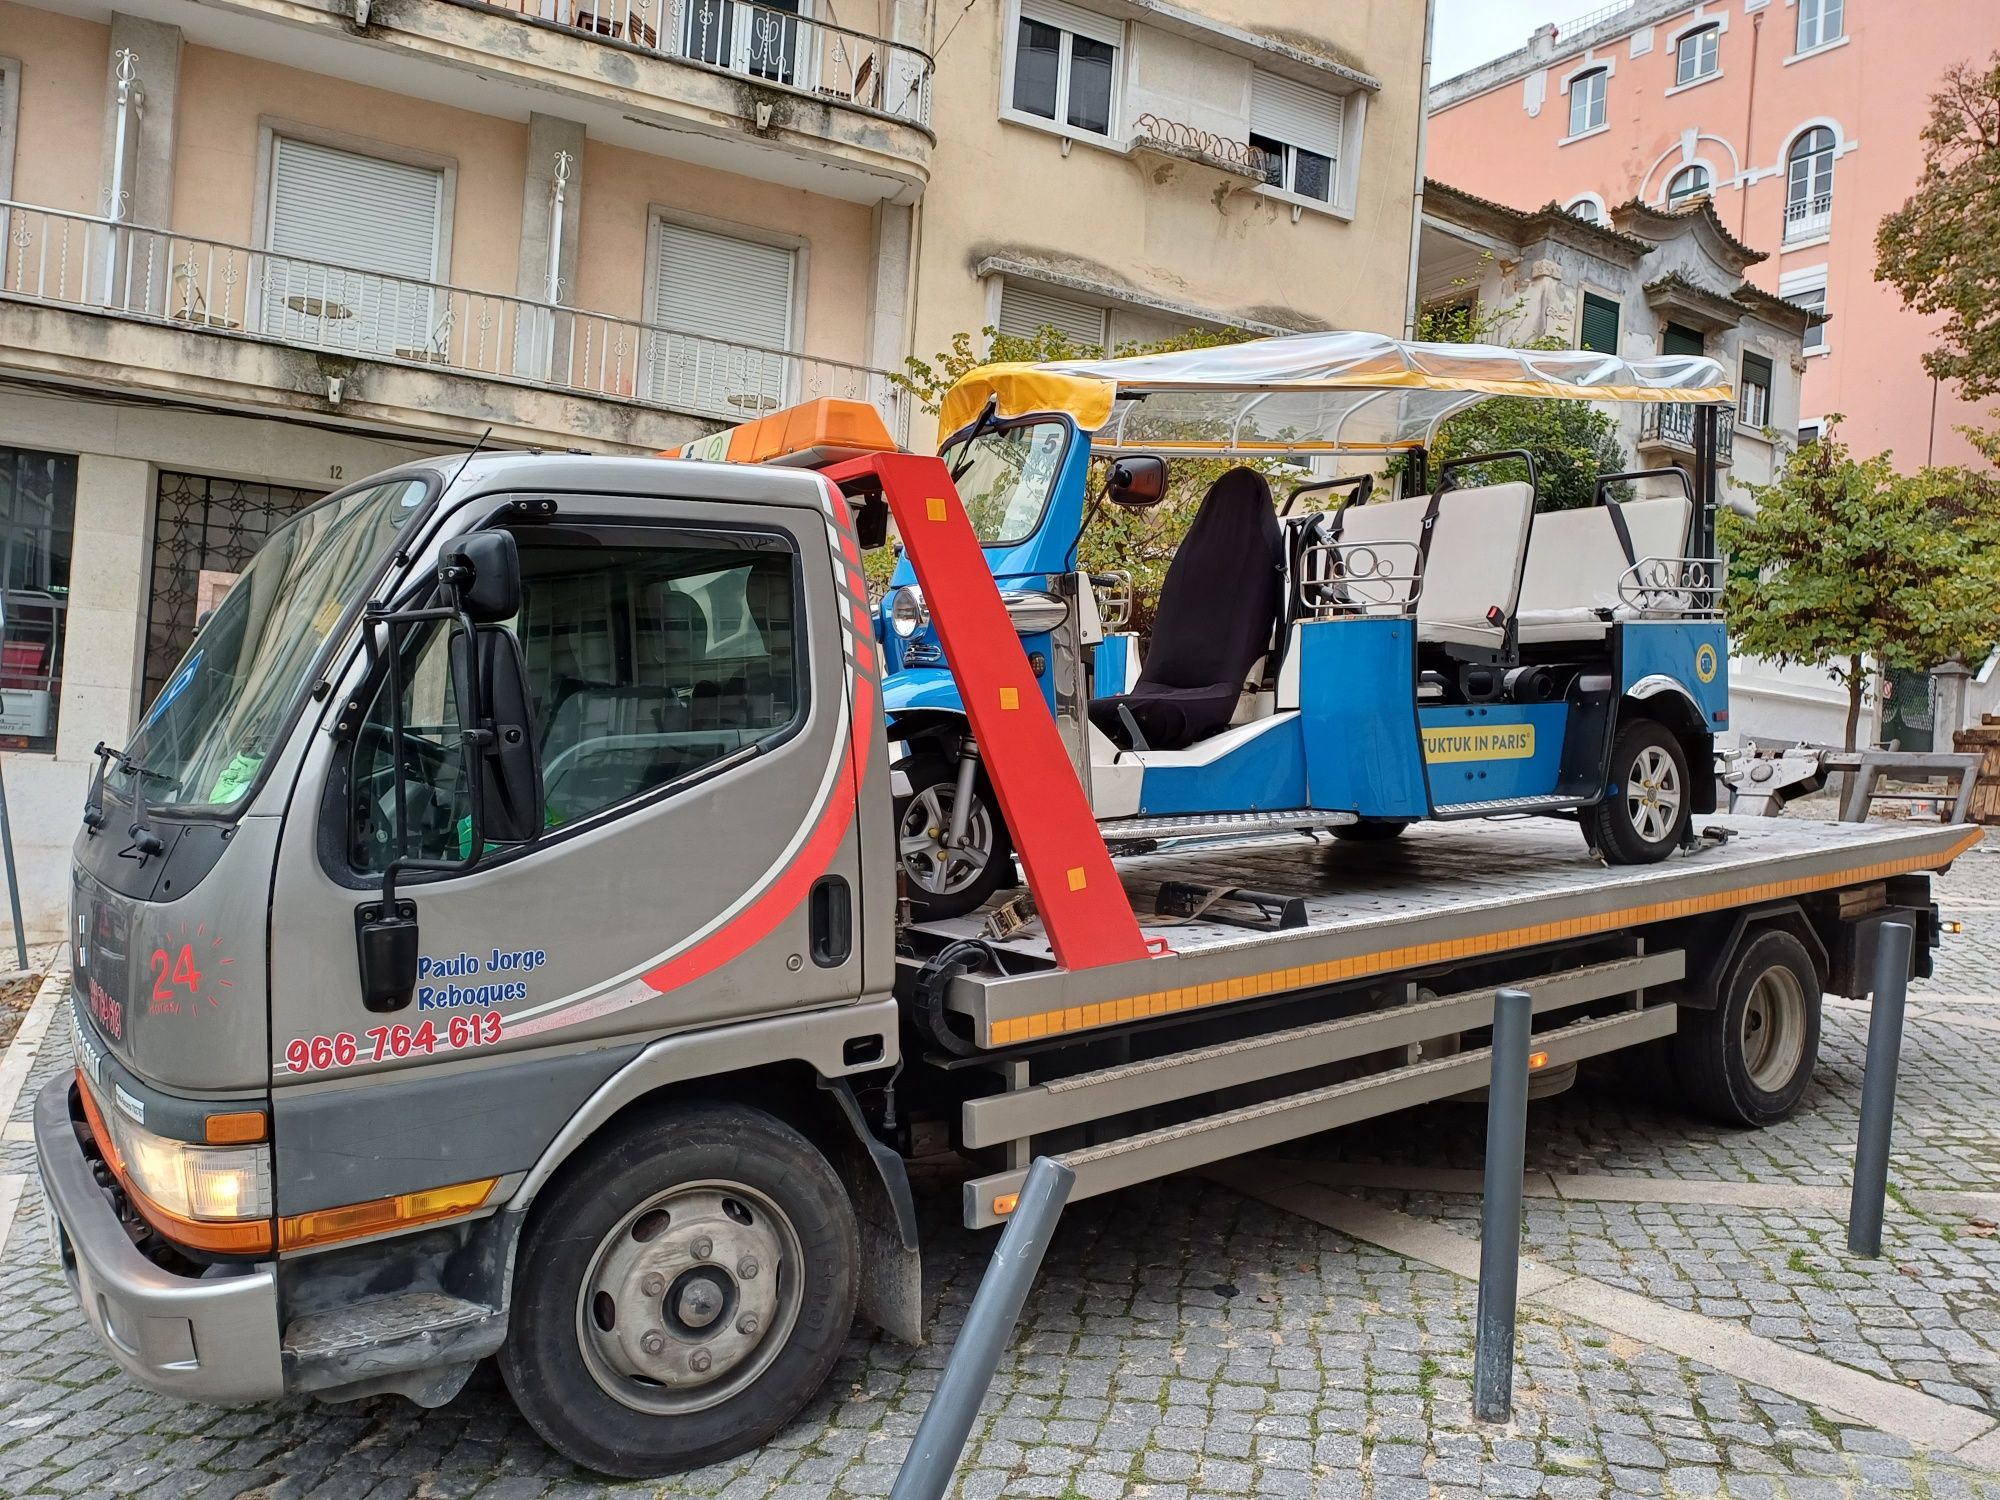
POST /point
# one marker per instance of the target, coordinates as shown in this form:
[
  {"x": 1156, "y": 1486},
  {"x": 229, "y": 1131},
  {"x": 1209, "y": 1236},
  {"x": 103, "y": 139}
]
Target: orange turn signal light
[
  {"x": 242, "y": 1128},
  {"x": 352, "y": 1221},
  {"x": 1005, "y": 1204},
  {"x": 1537, "y": 1060}
]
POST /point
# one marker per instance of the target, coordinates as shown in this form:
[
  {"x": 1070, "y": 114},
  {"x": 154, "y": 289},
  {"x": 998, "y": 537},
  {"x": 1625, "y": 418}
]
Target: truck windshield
[
  {"x": 1008, "y": 479},
  {"x": 204, "y": 739}
]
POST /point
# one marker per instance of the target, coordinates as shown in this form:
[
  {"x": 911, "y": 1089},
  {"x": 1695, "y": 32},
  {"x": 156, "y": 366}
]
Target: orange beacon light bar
[{"x": 810, "y": 435}]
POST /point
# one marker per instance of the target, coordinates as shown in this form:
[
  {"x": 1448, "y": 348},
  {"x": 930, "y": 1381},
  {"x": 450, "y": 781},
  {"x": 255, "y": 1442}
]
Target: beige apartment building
[{"x": 256, "y": 249}]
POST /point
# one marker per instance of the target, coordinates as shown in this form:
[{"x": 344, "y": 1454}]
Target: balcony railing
[
  {"x": 1671, "y": 425},
  {"x": 762, "y": 41},
  {"x": 72, "y": 260},
  {"x": 1806, "y": 218}
]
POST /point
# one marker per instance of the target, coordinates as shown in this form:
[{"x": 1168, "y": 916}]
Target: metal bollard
[
  {"x": 989, "y": 1323},
  {"x": 1878, "y": 1089},
  {"x": 13, "y": 881},
  {"x": 1500, "y": 1208}
]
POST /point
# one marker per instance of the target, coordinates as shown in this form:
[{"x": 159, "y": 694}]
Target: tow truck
[{"x": 492, "y": 943}]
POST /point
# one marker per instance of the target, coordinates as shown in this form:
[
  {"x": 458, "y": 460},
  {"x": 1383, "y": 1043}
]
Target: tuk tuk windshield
[
  {"x": 1005, "y": 478},
  {"x": 205, "y": 738}
]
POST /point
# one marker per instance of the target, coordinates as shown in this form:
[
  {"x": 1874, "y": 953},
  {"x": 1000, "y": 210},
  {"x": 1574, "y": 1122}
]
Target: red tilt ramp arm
[{"x": 1077, "y": 892}]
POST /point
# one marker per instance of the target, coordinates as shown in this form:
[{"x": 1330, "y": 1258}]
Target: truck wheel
[
  {"x": 1645, "y": 818},
  {"x": 950, "y": 882},
  {"x": 680, "y": 1296},
  {"x": 1749, "y": 1060}
]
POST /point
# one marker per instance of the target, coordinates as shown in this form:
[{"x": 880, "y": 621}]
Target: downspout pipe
[{"x": 1417, "y": 187}]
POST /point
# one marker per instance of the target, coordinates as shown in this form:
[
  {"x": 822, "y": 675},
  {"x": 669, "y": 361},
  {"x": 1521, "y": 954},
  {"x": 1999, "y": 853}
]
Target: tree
[
  {"x": 1573, "y": 441},
  {"x": 1941, "y": 249},
  {"x": 1844, "y": 563}
]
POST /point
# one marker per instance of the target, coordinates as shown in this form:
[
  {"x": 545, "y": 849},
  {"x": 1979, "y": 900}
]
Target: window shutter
[
  {"x": 715, "y": 286},
  {"x": 1600, "y": 325},
  {"x": 362, "y": 214},
  {"x": 1757, "y": 368},
  {"x": 1026, "y": 310},
  {"x": 1675, "y": 339},
  {"x": 1296, "y": 114},
  {"x": 1075, "y": 20}
]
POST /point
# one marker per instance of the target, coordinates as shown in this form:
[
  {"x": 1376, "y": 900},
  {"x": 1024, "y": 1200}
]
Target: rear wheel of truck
[
  {"x": 1750, "y": 1060},
  {"x": 681, "y": 1293},
  {"x": 1645, "y": 817},
  {"x": 947, "y": 880}
]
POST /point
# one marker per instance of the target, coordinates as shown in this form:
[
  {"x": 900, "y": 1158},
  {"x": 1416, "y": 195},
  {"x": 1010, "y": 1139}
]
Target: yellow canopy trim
[{"x": 1023, "y": 389}]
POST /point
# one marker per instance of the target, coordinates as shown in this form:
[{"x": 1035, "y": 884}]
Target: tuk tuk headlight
[
  {"x": 907, "y": 614},
  {"x": 192, "y": 1181}
]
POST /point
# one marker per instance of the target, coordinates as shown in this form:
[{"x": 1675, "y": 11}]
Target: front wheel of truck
[{"x": 681, "y": 1292}]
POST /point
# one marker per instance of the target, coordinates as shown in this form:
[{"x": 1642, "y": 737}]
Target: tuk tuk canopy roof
[{"x": 1310, "y": 392}]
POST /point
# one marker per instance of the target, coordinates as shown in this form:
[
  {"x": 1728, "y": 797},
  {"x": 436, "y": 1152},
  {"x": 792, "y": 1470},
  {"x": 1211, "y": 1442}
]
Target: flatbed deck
[{"x": 1442, "y": 893}]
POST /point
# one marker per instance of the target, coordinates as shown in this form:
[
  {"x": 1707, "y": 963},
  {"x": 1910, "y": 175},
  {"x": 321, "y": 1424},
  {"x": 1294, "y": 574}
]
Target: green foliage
[
  {"x": 1573, "y": 441},
  {"x": 1845, "y": 561},
  {"x": 1941, "y": 249}
]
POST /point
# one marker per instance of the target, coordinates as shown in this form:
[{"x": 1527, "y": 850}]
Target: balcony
[
  {"x": 766, "y": 43},
  {"x": 1670, "y": 427},
  {"x": 1808, "y": 218},
  {"x": 281, "y": 328}
]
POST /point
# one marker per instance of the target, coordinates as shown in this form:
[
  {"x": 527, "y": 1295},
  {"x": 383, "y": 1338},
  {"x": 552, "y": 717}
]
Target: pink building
[{"x": 1799, "y": 118}]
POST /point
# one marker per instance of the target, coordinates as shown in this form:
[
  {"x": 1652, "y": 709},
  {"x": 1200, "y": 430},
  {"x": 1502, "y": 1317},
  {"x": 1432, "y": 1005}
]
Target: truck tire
[
  {"x": 1645, "y": 818},
  {"x": 949, "y": 883},
  {"x": 1750, "y": 1059},
  {"x": 682, "y": 1293}
]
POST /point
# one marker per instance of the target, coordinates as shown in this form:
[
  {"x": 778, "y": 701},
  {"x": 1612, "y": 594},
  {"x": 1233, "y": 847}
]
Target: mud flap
[{"x": 892, "y": 1265}]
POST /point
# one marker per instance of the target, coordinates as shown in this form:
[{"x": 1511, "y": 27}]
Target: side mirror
[
  {"x": 386, "y": 938},
  {"x": 1137, "y": 481},
  {"x": 485, "y": 568},
  {"x": 507, "y": 767}
]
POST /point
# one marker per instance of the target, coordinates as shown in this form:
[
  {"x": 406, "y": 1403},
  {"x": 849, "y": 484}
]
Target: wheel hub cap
[
  {"x": 689, "y": 1297},
  {"x": 1653, "y": 794},
  {"x": 933, "y": 863}
]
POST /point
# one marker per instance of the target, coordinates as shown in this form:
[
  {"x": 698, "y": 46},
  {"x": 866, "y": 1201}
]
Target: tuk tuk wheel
[
  {"x": 682, "y": 1291},
  {"x": 948, "y": 880},
  {"x": 1647, "y": 808}
]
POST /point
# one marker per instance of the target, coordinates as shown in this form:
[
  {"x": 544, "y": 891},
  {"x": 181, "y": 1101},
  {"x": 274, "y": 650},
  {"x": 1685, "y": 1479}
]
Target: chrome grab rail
[
  {"x": 1353, "y": 578},
  {"x": 1679, "y": 587},
  {"x": 1114, "y": 594}
]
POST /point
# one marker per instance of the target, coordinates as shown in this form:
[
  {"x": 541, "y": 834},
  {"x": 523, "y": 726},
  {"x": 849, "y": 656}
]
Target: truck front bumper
[{"x": 208, "y": 1338}]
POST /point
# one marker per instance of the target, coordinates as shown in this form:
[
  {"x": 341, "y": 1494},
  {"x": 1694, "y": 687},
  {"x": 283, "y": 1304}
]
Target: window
[
  {"x": 1600, "y": 324},
  {"x": 1298, "y": 130},
  {"x": 367, "y": 234},
  {"x": 1676, "y": 339},
  {"x": 1586, "y": 101},
  {"x": 1807, "y": 288},
  {"x": 1809, "y": 185},
  {"x": 1809, "y": 433},
  {"x": 1065, "y": 65},
  {"x": 651, "y": 654},
  {"x": 713, "y": 295},
  {"x": 1819, "y": 23},
  {"x": 761, "y": 40},
  {"x": 1026, "y": 310},
  {"x": 1586, "y": 209},
  {"x": 1689, "y": 182},
  {"x": 1695, "y": 55},
  {"x": 1753, "y": 400},
  {"x": 37, "y": 512}
]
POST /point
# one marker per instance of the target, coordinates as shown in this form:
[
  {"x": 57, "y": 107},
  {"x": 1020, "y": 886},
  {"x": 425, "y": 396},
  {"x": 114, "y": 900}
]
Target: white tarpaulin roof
[{"x": 1311, "y": 392}]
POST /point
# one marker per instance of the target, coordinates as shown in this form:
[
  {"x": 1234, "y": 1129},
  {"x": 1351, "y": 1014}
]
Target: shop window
[{"x": 37, "y": 517}]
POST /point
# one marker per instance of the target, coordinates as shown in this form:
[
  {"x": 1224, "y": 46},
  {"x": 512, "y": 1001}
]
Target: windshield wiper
[{"x": 93, "y": 802}]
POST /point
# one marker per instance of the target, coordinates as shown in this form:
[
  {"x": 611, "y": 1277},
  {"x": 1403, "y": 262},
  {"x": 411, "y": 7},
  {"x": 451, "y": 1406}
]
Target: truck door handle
[{"x": 832, "y": 922}]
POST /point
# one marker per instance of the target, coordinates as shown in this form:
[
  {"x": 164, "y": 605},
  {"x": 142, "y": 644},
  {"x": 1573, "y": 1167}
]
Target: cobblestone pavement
[{"x": 1186, "y": 1340}]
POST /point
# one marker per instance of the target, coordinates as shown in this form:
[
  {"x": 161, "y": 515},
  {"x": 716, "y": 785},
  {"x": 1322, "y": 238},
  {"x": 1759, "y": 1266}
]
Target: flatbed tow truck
[{"x": 494, "y": 942}]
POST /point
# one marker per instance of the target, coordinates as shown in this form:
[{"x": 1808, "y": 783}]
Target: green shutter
[
  {"x": 1600, "y": 324},
  {"x": 1679, "y": 340},
  {"x": 1756, "y": 370}
]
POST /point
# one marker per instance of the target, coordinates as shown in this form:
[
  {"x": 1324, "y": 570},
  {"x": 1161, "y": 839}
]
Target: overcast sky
[{"x": 1470, "y": 32}]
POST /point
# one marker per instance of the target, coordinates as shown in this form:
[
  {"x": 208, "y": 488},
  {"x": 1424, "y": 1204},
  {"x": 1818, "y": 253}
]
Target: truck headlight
[
  {"x": 207, "y": 1183},
  {"x": 907, "y": 614}
]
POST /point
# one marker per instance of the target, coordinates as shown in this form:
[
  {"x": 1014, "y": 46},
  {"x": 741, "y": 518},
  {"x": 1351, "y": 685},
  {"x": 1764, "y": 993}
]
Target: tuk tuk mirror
[
  {"x": 1137, "y": 481},
  {"x": 485, "y": 569}
]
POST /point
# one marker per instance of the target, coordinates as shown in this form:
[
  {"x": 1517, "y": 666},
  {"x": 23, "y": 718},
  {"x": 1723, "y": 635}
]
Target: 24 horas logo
[{"x": 188, "y": 972}]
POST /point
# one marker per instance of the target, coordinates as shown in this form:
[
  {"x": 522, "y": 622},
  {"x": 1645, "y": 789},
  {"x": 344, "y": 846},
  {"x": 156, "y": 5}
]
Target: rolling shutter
[
  {"x": 1600, "y": 325},
  {"x": 1075, "y": 20},
  {"x": 717, "y": 287},
  {"x": 1296, "y": 114},
  {"x": 1026, "y": 310},
  {"x": 359, "y": 214}
]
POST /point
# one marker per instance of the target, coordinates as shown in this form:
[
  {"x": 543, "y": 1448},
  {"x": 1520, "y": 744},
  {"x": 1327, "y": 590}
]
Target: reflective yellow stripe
[{"x": 1364, "y": 965}]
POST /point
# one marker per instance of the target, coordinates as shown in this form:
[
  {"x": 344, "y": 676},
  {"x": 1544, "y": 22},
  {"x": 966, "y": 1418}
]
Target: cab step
[
  {"x": 1196, "y": 1143},
  {"x": 1208, "y": 825},
  {"x": 1499, "y": 806},
  {"x": 381, "y": 1335}
]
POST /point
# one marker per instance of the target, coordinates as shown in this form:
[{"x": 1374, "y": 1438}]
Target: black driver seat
[{"x": 1217, "y": 610}]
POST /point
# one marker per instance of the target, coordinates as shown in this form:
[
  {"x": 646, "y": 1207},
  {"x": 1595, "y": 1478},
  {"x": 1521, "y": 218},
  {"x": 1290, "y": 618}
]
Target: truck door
[{"x": 699, "y": 761}]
